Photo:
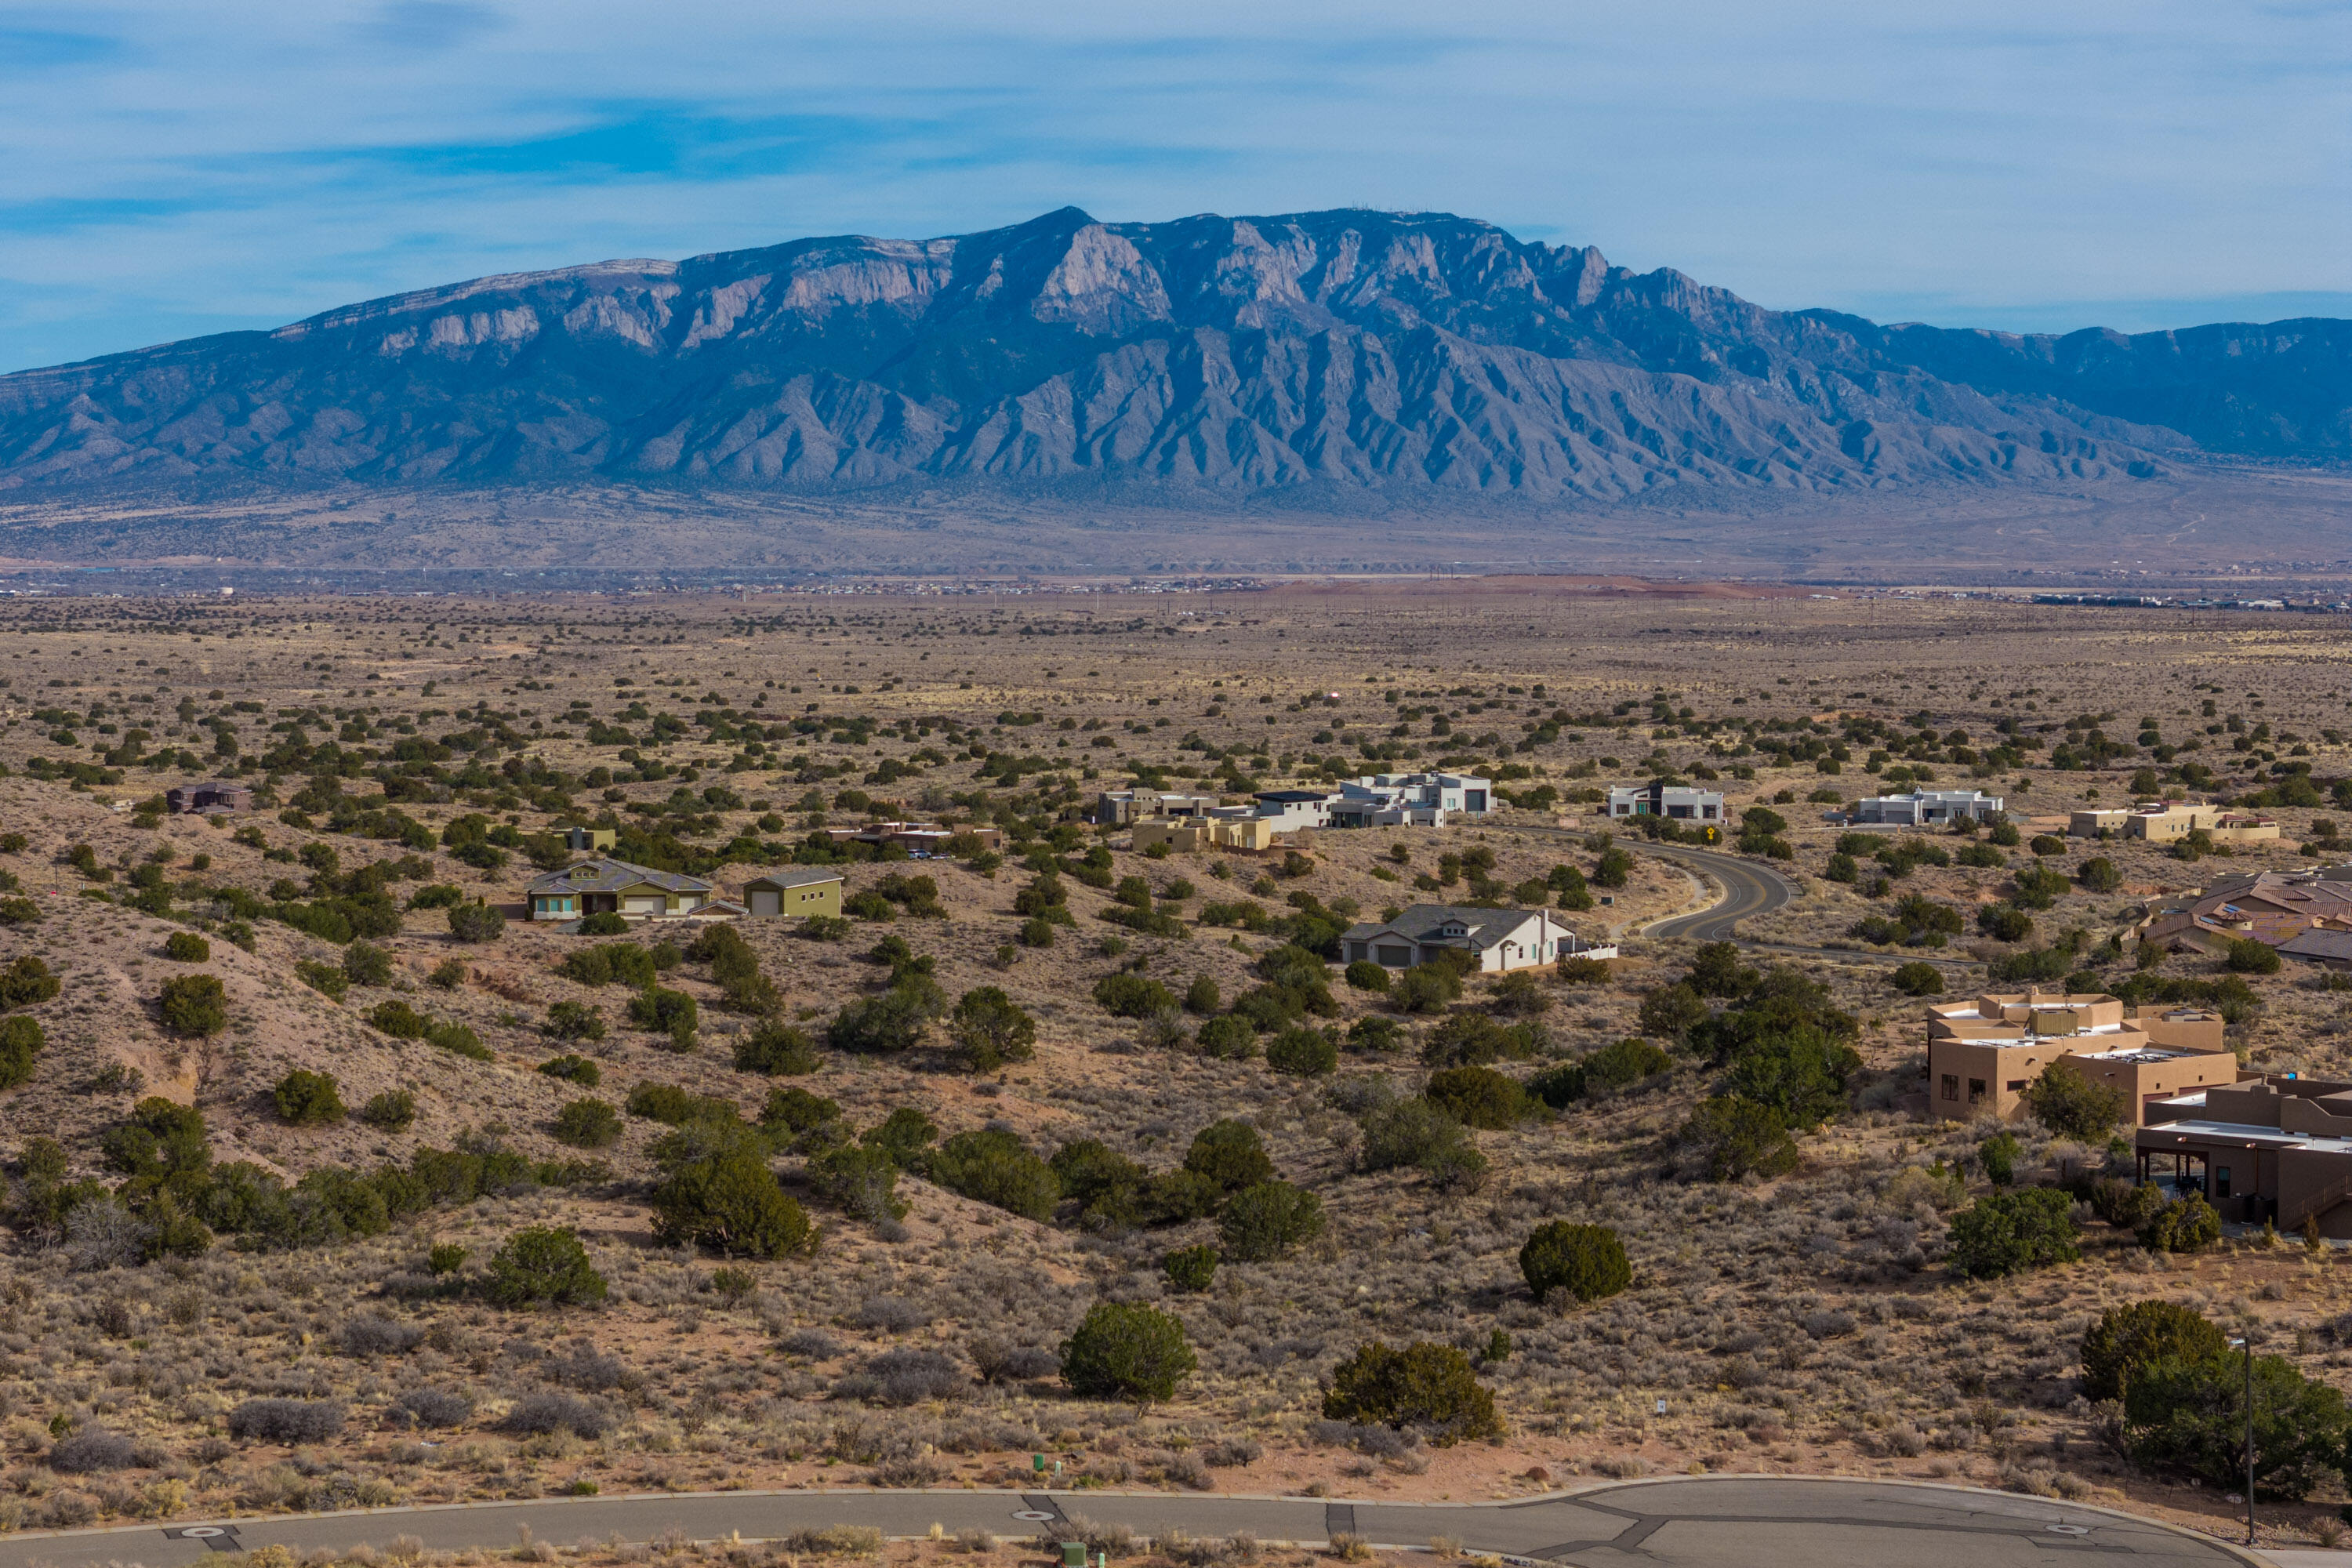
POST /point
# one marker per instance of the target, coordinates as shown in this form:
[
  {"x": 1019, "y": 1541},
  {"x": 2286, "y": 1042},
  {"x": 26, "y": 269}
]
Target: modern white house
[
  {"x": 1416, "y": 800},
  {"x": 1678, "y": 802},
  {"x": 1501, "y": 939},
  {"x": 1287, "y": 809},
  {"x": 1923, "y": 807}
]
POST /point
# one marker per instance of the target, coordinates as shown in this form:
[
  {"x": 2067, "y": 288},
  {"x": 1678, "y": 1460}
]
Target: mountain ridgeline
[{"x": 1350, "y": 351}]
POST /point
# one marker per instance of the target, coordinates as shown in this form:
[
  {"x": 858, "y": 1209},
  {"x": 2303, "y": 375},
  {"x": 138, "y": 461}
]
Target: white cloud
[{"x": 202, "y": 160}]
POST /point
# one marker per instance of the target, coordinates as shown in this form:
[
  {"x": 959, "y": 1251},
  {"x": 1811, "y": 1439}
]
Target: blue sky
[{"x": 168, "y": 169}]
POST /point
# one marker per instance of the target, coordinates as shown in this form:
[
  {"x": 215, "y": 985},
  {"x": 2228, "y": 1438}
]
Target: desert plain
[{"x": 1800, "y": 1321}]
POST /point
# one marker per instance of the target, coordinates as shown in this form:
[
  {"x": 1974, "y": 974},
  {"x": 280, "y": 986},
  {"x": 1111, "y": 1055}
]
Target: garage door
[
  {"x": 767, "y": 901},
  {"x": 642, "y": 906},
  {"x": 1395, "y": 957}
]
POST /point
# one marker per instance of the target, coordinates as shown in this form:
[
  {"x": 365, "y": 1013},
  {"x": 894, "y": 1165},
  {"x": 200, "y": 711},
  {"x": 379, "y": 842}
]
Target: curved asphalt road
[
  {"x": 1748, "y": 889},
  {"x": 1715, "y": 1521}
]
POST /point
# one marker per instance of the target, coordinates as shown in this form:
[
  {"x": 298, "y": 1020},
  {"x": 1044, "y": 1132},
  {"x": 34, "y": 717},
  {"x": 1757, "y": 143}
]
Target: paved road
[
  {"x": 1751, "y": 1521},
  {"x": 1748, "y": 888}
]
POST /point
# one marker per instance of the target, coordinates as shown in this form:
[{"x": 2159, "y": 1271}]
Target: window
[
  {"x": 1976, "y": 1089},
  {"x": 2016, "y": 1085},
  {"x": 2220, "y": 1181},
  {"x": 1951, "y": 1086}
]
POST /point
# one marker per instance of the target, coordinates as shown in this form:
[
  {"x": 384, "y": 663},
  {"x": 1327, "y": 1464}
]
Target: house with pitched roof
[
  {"x": 2272, "y": 906},
  {"x": 1499, "y": 940},
  {"x": 615, "y": 887}
]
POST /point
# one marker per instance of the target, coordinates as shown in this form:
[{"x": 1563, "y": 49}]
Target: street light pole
[{"x": 2249, "y": 1343}]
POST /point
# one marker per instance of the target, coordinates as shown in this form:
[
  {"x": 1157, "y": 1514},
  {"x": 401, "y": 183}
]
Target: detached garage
[{"x": 808, "y": 891}]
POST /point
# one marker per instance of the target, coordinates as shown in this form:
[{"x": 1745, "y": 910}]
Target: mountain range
[{"x": 1344, "y": 351}]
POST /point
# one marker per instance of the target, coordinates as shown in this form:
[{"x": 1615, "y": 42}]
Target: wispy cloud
[
  {"x": 166, "y": 163},
  {"x": 428, "y": 25}
]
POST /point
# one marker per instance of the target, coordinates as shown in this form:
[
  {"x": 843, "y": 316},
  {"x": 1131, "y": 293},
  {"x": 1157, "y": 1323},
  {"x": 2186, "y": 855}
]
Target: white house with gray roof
[{"x": 1500, "y": 940}]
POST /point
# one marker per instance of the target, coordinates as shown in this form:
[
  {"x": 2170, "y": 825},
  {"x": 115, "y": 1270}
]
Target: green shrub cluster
[
  {"x": 2009, "y": 1233},
  {"x": 170, "y": 1182},
  {"x": 402, "y": 1022},
  {"x": 776, "y": 1049},
  {"x": 306, "y": 1098},
  {"x": 1588, "y": 1261},
  {"x": 1126, "y": 1351},
  {"x": 1424, "y": 1388}
]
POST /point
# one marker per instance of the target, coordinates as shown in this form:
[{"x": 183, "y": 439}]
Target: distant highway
[{"x": 1676, "y": 1522}]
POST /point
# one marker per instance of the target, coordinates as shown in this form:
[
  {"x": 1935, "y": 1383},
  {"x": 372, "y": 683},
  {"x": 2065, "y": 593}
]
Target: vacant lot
[{"x": 413, "y": 759}]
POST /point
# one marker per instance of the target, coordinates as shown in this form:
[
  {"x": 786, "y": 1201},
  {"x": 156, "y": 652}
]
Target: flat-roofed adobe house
[
  {"x": 615, "y": 887},
  {"x": 1189, "y": 833},
  {"x": 1500, "y": 940},
  {"x": 2275, "y": 1147},
  {"x": 1984, "y": 1054},
  {"x": 798, "y": 890}
]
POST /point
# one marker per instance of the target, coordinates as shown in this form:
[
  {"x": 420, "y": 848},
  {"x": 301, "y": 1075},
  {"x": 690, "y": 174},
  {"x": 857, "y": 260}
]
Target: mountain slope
[{"x": 1342, "y": 349}]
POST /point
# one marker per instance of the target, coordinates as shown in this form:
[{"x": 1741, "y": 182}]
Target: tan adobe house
[
  {"x": 1123, "y": 808},
  {"x": 1501, "y": 939},
  {"x": 2274, "y": 1148},
  {"x": 589, "y": 840},
  {"x": 1188, "y": 833},
  {"x": 1984, "y": 1054},
  {"x": 2161, "y": 824},
  {"x": 615, "y": 887},
  {"x": 801, "y": 890},
  {"x": 2273, "y": 907}
]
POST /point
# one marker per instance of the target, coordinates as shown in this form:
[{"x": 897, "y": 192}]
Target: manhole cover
[
  {"x": 1034, "y": 1516},
  {"x": 2070, "y": 1530}
]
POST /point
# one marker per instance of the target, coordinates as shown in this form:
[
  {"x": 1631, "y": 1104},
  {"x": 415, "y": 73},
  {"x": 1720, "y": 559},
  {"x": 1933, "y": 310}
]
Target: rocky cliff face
[{"x": 1342, "y": 350}]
